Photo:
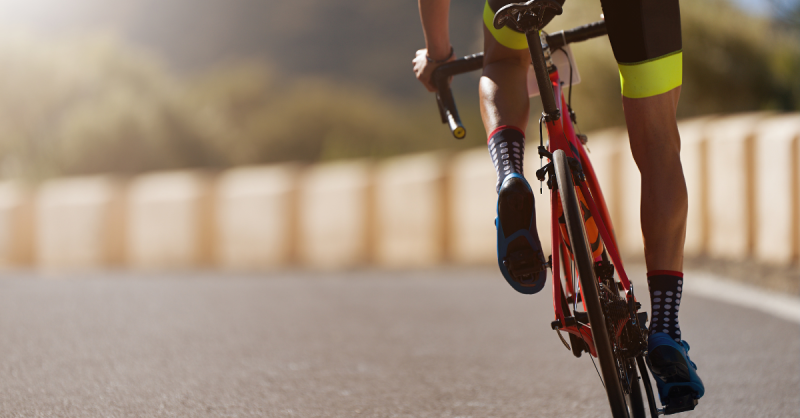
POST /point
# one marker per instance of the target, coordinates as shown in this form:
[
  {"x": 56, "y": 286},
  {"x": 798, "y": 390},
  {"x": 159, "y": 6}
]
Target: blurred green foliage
[
  {"x": 732, "y": 62},
  {"x": 86, "y": 106},
  {"x": 89, "y": 105}
]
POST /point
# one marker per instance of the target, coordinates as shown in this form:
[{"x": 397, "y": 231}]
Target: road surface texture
[{"x": 437, "y": 343}]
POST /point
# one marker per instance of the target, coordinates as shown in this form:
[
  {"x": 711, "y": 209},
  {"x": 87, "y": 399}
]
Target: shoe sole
[{"x": 515, "y": 210}]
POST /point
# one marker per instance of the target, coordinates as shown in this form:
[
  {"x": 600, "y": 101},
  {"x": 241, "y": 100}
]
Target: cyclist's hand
[{"x": 423, "y": 68}]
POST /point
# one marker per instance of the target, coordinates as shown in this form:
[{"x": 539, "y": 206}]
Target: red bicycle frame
[{"x": 562, "y": 136}]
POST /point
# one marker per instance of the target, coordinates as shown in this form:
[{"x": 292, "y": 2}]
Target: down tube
[
  {"x": 591, "y": 177},
  {"x": 612, "y": 250}
]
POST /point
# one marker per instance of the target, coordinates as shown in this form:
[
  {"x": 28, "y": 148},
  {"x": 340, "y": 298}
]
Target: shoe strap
[{"x": 686, "y": 346}]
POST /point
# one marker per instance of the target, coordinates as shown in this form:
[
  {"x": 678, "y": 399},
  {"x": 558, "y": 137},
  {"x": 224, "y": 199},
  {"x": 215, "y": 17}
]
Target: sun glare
[{"x": 64, "y": 15}]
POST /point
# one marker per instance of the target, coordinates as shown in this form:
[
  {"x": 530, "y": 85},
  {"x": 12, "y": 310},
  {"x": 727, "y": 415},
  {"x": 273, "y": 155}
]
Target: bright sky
[
  {"x": 755, "y": 6},
  {"x": 56, "y": 14},
  {"x": 64, "y": 14}
]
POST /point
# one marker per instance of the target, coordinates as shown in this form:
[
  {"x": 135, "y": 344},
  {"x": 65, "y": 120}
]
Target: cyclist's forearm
[{"x": 435, "y": 16}]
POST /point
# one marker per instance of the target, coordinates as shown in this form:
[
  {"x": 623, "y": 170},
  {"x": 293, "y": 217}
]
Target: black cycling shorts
[{"x": 645, "y": 36}]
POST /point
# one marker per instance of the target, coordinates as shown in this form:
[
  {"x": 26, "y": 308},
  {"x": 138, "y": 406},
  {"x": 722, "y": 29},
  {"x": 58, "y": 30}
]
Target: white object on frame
[{"x": 563, "y": 64}]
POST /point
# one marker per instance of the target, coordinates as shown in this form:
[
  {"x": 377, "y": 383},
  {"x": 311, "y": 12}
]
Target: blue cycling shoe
[
  {"x": 679, "y": 386},
  {"x": 519, "y": 252}
]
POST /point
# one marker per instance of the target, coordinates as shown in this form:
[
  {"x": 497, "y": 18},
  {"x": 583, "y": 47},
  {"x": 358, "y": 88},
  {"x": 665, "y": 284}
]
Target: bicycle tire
[{"x": 585, "y": 265}]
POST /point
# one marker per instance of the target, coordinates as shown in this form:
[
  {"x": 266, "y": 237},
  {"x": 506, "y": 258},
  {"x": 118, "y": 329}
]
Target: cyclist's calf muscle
[
  {"x": 504, "y": 99},
  {"x": 655, "y": 145}
]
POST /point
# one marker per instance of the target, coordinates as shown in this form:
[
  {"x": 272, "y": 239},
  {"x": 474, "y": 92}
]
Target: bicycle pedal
[{"x": 680, "y": 399}]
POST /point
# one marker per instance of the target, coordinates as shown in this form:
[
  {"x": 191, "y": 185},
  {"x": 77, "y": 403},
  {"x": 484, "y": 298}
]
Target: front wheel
[{"x": 582, "y": 256}]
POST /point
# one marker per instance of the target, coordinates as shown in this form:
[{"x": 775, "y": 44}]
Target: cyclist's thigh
[
  {"x": 506, "y": 42},
  {"x": 502, "y": 44},
  {"x": 646, "y": 38}
]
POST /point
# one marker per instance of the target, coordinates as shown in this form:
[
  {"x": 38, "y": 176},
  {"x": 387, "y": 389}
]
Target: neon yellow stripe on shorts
[
  {"x": 652, "y": 77},
  {"x": 507, "y": 37}
]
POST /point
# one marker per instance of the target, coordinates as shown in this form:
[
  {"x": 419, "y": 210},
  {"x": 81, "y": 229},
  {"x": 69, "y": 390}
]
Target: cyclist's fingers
[
  {"x": 421, "y": 53},
  {"x": 425, "y": 78},
  {"x": 427, "y": 82},
  {"x": 419, "y": 69},
  {"x": 423, "y": 71}
]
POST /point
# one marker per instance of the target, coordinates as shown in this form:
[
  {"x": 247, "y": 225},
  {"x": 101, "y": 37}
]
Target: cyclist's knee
[{"x": 652, "y": 126}]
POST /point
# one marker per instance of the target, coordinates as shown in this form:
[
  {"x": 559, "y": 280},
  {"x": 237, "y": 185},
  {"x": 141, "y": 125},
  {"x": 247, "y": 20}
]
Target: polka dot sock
[
  {"x": 665, "y": 298},
  {"x": 507, "y": 148}
]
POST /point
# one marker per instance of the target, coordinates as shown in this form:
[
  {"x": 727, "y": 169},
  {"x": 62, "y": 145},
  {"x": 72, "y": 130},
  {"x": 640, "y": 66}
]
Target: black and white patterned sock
[
  {"x": 507, "y": 148},
  {"x": 666, "y": 288}
]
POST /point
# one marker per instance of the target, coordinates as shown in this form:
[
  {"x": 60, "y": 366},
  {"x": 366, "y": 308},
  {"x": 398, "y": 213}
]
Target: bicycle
[{"x": 610, "y": 327}]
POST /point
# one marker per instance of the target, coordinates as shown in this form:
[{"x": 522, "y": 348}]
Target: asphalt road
[{"x": 439, "y": 343}]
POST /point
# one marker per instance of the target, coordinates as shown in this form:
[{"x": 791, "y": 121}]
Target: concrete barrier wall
[
  {"x": 473, "y": 208},
  {"x": 776, "y": 190},
  {"x": 629, "y": 227},
  {"x": 410, "y": 208},
  {"x": 742, "y": 172},
  {"x": 335, "y": 209},
  {"x": 694, "y": 154},
  {"x": 16, "y": 224},
  {"x": 79, "y": 223},
  {"x": 731, "y": 186},
  {"x": 256, "y": 217},
  {"x": 170, "y": 221}
]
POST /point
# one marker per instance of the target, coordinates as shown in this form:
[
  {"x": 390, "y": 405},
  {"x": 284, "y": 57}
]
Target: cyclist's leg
[
  {"x": 504, "y": 96},
  {"x": 646, "y": 38},
  {"x": 504, "y": 109},
  {"x": 655, "y": 144},
  {"x": 503, "y": 85}
]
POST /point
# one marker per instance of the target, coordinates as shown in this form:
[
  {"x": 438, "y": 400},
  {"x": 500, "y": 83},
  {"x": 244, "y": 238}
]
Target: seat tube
[{"x": 542, "y": 76}]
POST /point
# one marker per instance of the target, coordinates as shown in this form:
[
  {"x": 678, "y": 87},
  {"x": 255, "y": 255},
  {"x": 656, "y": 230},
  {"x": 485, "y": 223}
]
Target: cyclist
[{"x": 645, "y": 36}]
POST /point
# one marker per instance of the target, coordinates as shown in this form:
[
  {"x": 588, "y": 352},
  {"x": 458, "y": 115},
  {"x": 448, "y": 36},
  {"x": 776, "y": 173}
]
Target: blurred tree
[
  {"x": 256, "y": 117},
  {"x": 96, "y": 104},
  {"x": 90, "y": 105},
  {"x": 734, "y": 62}
]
